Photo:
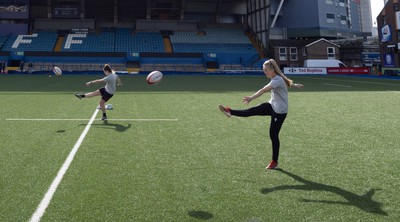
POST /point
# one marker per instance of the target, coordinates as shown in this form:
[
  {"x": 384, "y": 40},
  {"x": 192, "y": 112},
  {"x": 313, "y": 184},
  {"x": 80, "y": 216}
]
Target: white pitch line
[
  {"x": 136, "y": 120},
  {"x": 328, "y": 84},
  {"x": 15, "y": 119},
  {"x": 49, "y": 195}
]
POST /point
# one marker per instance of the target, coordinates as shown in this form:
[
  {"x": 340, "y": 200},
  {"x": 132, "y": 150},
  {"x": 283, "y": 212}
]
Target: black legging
[{"x": 265, "y": 109}]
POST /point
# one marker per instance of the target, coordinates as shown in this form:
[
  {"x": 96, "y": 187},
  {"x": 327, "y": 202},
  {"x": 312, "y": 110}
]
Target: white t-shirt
[
  {"x": 111, "y": 83},
  {"x": 279, "y": 95}
]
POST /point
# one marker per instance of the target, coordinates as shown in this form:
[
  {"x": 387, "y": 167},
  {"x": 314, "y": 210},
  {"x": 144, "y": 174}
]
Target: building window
[
  {"x": 282, "y": 54},
  {"x": 343, "y": 19},
  {"x": 331, "y": 53},
  {"x": 341, "y": 3},
  {"x": 330, "y": 18},
  {"x": 396, "y": 7},
  {"x": 329, "y": 2},
  {"x": 293, "y": 54}
]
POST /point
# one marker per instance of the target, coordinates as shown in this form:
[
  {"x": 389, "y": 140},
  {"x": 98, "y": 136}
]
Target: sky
[{"x": 376, "y": 7}]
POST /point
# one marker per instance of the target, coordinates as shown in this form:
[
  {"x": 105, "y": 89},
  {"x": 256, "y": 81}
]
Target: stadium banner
[
  {"x": 64, "y": 9},
  {"x": 326, "y": 71},
  {"x": 386, "y": 34},
  {"x": 304, "y": 71},
  {"x": 388, "y": 60},
  {"x": 349, "y": 71}
]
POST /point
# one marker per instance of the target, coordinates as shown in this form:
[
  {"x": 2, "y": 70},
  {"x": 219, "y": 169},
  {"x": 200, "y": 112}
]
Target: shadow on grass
[
  {"x": 202, "y": 215},
  {"x": 363, "y": 202},
  {"x": 116, "y": 127}
]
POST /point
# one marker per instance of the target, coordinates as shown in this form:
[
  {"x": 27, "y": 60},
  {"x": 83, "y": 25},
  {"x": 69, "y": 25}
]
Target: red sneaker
[
  {"x": 225, "y": 110},
  {"x": 272, "y": 165}
]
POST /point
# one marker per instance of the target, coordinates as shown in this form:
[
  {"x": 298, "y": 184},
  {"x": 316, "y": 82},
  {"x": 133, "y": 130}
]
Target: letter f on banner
[
  {"x": 71, "y": 40},
  {"x": 20, "y": 40}
]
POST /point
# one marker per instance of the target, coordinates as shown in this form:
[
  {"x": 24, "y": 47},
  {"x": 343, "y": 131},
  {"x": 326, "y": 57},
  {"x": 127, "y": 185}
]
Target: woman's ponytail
[{"x": 272, "y": 64}]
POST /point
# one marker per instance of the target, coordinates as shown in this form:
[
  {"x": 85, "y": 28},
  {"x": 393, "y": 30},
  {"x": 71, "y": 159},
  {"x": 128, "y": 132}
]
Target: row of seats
[
  {"x": 223, "y": 32},
  {"x": 214, "y": 48},
  {"x": 212, "y": 36},
  {"x": 41, "y": 41},
  {"x": 90, "y": 42},
  {"x": 212, "y": 41},
  {"x": 126, "y": 40},
  {"x": 174, "y": 67},
  {"x": 209, "y": 39},
  {"x": 75, "y": 66},
  {"x": 122, "y": 40},
  {"x": 3, "y": 40}
]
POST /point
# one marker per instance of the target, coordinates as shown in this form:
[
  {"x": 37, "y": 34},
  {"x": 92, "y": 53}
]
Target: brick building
[
  {"x": 292, "y": 53},
  {"x": 388, "y": 29}
]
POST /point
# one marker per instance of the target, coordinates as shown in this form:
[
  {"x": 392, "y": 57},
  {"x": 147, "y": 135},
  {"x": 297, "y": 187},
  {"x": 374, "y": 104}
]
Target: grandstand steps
[
  {"x": 256, "y": 44},
  {"x": 12, "y": 68},
  {"x": 59, "y": 43},
  {"x": 133, "y": 70},
  {"x": 167, "y": 44}
]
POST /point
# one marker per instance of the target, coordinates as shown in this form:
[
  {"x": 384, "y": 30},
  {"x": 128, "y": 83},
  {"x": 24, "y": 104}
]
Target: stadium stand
[
  {"x": 3, "y": 40},
  {"x": 230, "y": 46},
  {"x": 224, "y": 48},
  {"x": 114, "y": 40},
  {"x": 92, "y": 41},
  {"x": 132, "y": 35},
  {"x": 233, "y": 41},
  {"x": 38, "y": 41},
  {"x": 129, "y": 41},
  {"x": 69, "y": 67}
]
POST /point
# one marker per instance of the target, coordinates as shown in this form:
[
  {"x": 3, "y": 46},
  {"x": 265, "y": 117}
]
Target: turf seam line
[
  {"x": 37, "y": 215},
  {"x": 338, "y": 85}
]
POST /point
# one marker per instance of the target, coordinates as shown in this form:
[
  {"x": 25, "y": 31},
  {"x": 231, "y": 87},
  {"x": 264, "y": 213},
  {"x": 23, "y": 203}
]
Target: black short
[{"x": 105, "y": 95}]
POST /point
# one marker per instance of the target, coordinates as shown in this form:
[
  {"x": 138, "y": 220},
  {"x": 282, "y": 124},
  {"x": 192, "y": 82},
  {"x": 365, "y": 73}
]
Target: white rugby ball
[
  {"x": 57, "y": 71},
  {"x": 154, "y": 77}
]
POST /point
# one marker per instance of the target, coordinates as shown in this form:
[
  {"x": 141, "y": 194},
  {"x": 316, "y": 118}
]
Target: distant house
[
  {"x": 292, "y": 53},
  {"x": 388, "y": 28}
]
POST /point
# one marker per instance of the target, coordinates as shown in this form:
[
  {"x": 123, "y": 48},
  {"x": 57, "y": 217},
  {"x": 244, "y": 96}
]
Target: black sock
[
  {"x": 83, "y": 95},
  {"x": 104, "y": 114}
]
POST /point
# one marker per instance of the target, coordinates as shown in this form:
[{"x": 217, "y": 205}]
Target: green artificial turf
[{"x": 168, "y": 154}]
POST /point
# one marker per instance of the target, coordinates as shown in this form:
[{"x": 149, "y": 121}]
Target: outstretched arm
[
  {"x": 297, "y": 85},
  {"x": 94, "y": 81},
  {"x": 248, "y": 99},
  {"x": 119, "y": 82}
]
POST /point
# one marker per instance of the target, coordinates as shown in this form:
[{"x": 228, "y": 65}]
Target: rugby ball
[
  {"x": 57, "y": 71},
  {"x": 154, "y": 77}
]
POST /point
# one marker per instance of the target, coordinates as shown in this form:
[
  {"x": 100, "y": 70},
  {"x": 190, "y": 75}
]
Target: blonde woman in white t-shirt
[
  {"x": 106, "y": 92},
  {"x": 276, "y": 107}
]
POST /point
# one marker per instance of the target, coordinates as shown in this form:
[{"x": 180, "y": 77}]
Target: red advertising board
[{"x": 347, "y": 71}]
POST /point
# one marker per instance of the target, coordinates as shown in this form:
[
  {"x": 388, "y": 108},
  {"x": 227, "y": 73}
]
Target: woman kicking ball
[{"x": 276, "y": 107}]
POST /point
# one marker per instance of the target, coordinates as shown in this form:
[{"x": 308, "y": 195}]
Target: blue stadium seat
[
  {"x": 102, "y": 41},
  {"x": 128, "y": 41},
  {"x": 3, "y": 40},
  {"x": 39, "y": 41},
  {"x": 119, "y": 40},
  {"x": 214, "y": 41}
]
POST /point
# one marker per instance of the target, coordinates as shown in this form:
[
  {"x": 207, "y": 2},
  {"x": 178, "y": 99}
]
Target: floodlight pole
[{"x": 277, "y": 13}]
